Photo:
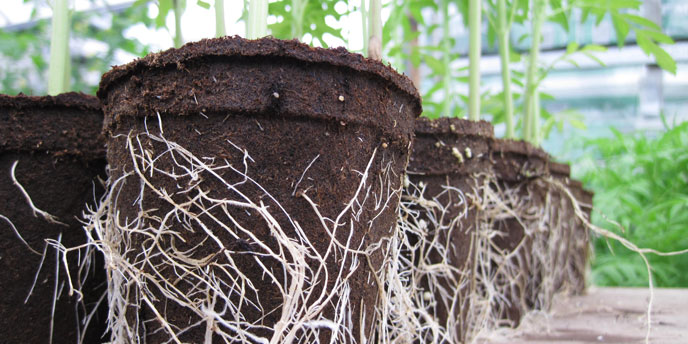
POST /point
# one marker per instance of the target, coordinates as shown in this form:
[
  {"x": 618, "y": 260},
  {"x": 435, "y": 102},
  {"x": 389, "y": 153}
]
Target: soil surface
[
  {"x": 310, "y": 119},
  {"x": 55, "y": 144},
  {"x": 435, "y": 165}
]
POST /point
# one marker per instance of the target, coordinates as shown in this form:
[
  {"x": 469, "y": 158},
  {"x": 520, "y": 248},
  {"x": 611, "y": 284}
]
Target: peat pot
[
  {"x": 50, "y": 156},
  {"x": 518, "y": 167},
  {"x": 449, "y": 164},
  {"x": 254, "y": 186},
  {"x": 570, "y": 266}
]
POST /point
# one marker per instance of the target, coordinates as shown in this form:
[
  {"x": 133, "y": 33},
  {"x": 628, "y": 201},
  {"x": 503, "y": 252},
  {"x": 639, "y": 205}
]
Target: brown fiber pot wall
[
  {"x": 434, "y": 166},
  {"x": 55, "y": 144},
  {"x": 578, "y": 239},
  {"x": 517, "y": 166},
  {"x": 311, "y": 120}
]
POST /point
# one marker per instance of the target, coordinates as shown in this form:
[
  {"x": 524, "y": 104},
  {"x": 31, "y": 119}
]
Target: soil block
[
  {"x": 54, "y": 147},
  {"x": 223, "y": 131},
  {"x": 449, "y": 161},
  {"x": 517, "y": 167}
]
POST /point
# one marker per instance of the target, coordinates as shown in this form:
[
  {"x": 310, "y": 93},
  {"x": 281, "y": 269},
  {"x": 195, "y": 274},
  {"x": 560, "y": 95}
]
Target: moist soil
[
  {"x": 517, "y": 166},
  {"x": 288, "y": 106},
  {"x": 56, "y": 145},
  {"x": 435, "y": 165}
]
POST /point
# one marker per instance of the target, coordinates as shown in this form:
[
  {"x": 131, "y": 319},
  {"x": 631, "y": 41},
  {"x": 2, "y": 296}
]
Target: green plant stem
[
  {"x": 504, "y": 51},
  {"x": 364, "y": 26},
  {"x": 178, "y": 40},
  {"x": 446, "y": 60},
  {"x": 257, "y": 19},
  {"x": 220, "y": 18},
  {"x": 536, "y": 123},
  {"x": 532, "y": 73},
  {"x": 375, "y": 30},
  {"x": 58, "y": 72},
  {"x": 298, "y": 11},
  {"x": 474, "y": 50}
]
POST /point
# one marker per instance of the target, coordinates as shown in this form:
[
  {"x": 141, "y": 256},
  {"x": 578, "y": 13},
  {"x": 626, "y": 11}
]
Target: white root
[
  {"x": 150, "y": 263},
  {"x": 36, "y": 212}
]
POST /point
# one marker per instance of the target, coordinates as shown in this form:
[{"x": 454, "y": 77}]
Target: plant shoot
[
  {"x": 375, "y": 27},
  {"x": 58, "y": 79},
  {"x": 257, "y": 19},
  {"x": 220, "y": 18},
  {"x": 474, "y": 46}
]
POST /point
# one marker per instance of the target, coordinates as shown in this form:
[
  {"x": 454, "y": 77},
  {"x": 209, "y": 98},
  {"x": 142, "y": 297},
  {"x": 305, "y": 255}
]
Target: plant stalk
[
  {"x": 298, "y": 11},
  {"x": 364, "y": 25},
  {"x": 537, "y": 138},
  {"x": 220, "y": 18},
  {"x": 532, "y": 73},
  {"x": 474, "y": 52},
  {"x": 503, "y": 30},
  {"x": 446, "y": 59},
  {"x": 58, "y": 72},
  {"x": 178, "y": 40},
  {"x": 375, "y": 33},
  {"x": 257, "y": 19}
]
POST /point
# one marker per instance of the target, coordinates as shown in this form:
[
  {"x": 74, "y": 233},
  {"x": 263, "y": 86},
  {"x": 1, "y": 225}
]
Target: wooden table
[{"x": 605, "y": 315}]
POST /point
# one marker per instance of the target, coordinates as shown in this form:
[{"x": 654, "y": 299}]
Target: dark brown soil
[
  {"x": 435, "y": 164},
  {"x": 55, "y": 142},
  {"x": 286, "y": 104},
  {"x": 517, "y": 166}
]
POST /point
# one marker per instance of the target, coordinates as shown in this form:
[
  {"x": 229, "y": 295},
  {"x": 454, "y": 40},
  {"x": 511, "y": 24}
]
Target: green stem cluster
[
  {"x": 529, "y": 125},
  {"x": 474, "y": 51},
  {"x": 257, "y": 19},
  {"x": 59, "y": 70}
]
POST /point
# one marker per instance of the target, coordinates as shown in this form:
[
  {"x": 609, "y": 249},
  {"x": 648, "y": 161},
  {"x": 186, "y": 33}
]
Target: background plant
[{"x": 642, "y": 183}]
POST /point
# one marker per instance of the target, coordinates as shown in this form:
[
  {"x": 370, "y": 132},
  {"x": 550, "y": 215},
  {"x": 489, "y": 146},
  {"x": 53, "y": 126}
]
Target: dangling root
[
  {"x": 152, "y": 264},
  {"x": 642, "y": 252}
]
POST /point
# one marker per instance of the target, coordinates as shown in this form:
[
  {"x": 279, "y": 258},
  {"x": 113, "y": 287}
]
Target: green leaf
[
  {"x": 203, "y": 4},
  {"x": 164, "y": 7},
  {"x": 657, "y": 36},
  {"x": 594, "y": 58},
  {"x": 435, "y": 64},
  {"x": 621, "y": 27},
  {"x": 641, "y": 21},
  {"x": 572, "y": 47}
]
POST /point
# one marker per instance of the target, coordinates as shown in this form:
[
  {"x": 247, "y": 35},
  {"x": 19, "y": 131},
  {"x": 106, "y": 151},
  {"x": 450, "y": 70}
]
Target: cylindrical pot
[
  {"x": 448, "y": 166},
  {"x": 518, "y": 166},
  {"x": 571, "y": 263},
  {"x": 254, "y": 187},
  {"x": 50, "y": 155}
]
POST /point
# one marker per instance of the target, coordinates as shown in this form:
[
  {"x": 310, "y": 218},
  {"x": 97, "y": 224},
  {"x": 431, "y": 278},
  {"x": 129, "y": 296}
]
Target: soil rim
[{"x": 264, "y": 47}]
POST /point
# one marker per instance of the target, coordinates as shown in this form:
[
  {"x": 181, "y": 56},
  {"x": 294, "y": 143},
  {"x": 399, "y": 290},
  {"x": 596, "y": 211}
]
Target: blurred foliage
[
  {"x": 642, "y": 183},
  {"x": 310, "y": 21},
  {"x": 26, "y": 48}
]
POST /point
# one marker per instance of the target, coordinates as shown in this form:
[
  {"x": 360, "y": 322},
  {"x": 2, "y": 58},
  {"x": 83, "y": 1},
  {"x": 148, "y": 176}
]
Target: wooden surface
[{"x": 605, "y": 315}]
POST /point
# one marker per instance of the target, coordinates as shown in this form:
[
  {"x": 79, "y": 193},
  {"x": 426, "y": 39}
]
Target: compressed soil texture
[
  {"x": 448, "y": 165},
  {"x": 518, "y": 168},
  {"x": 256, "y": 185},
  {"x": 51, "y": 146}
]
